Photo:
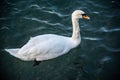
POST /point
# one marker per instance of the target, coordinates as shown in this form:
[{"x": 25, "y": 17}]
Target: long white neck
[{"x": 76, "y": 29}]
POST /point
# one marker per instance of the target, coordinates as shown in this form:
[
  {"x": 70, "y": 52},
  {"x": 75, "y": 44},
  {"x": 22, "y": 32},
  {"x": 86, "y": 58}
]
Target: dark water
[{"x": 97, "y": 57}]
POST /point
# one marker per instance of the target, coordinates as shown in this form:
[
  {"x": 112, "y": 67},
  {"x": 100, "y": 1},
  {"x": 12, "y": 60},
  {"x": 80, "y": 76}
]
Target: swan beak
[{"x": 86, "y": 17}]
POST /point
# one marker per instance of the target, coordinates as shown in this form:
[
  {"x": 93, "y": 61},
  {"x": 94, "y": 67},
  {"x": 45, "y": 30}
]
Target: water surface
[{"x": 97, "y": 57}]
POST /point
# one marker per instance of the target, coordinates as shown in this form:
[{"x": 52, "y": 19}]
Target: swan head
[{"x": 77, "y": 14}]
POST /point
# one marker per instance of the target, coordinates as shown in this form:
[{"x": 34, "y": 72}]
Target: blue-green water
[{"x": 97, "y": 57}]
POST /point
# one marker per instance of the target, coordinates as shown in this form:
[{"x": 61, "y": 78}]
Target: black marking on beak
[{"x": 84, "y": 14}]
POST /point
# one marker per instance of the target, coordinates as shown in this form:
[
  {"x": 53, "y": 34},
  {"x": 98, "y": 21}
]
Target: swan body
[{"x": 49, "y": 46}]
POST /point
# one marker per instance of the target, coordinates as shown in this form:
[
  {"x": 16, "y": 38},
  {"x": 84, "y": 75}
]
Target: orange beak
[{"x": 86, "y": 17}]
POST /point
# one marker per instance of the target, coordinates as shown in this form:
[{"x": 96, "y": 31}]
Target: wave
[
  {"x": 36, "y": 6},
  {"x": 56, "y": 13},
  {"x": 95, "y": 12},
  {"x": 4, "y": 27},
  {"x": 104, "y": 59},
  {"x": 43, "y": 21},
  {"x": 103, "y": 29},
  {"x": 49, "y": 10},
  {"x": 17, "y": 10},
  {"x": 93, "y": 39},
  {"x": 2, "y": 18},
  {"x": 94, "y": 4},
  {"x": 110, "y": 49}
]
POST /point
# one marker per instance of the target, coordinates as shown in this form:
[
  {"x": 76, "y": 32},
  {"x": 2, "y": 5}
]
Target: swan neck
[{"x": 76, "y": 29}]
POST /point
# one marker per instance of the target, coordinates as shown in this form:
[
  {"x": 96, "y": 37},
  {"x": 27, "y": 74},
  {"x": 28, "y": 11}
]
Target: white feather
[{"x": 49, "y": 46}]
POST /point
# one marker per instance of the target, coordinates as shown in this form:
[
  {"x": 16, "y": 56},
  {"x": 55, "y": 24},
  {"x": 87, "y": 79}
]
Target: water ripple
[
  {"x": 43, "y": 21},
  {"x": 110, "y": 49},
  {"x": 107, "y": 58},
  {"x": 93, "y": 39},
  {"x": 93, "y": 3},
  {"x": 16, "y": 10},
  {"x": 95, "y": 12},
  {"x": 36, "y": 6},
  {"x": 49, "y": 10},
  {"x": 2, "y": 18},
  {"x": 4, "y": 27},
  {"x": 56, "y": 13},
  {"x": 103, "y": 29}
]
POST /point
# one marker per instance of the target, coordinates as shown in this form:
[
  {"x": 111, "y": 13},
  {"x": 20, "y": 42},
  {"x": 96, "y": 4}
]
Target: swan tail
[{"x": 13, "y": 52}]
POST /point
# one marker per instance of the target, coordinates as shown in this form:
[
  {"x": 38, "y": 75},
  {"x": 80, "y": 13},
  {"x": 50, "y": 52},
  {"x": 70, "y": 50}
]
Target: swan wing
[
  {"x": 13, "y": 52},
  {"x": 45, "y": 47}
]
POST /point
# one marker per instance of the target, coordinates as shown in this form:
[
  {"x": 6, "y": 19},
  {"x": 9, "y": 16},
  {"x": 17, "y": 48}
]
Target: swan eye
[{"x": 84, "y": 14}]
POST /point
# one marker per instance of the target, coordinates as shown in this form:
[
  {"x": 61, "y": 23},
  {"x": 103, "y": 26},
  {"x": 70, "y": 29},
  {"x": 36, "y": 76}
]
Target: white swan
[{"x": 48, "y": 46}]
